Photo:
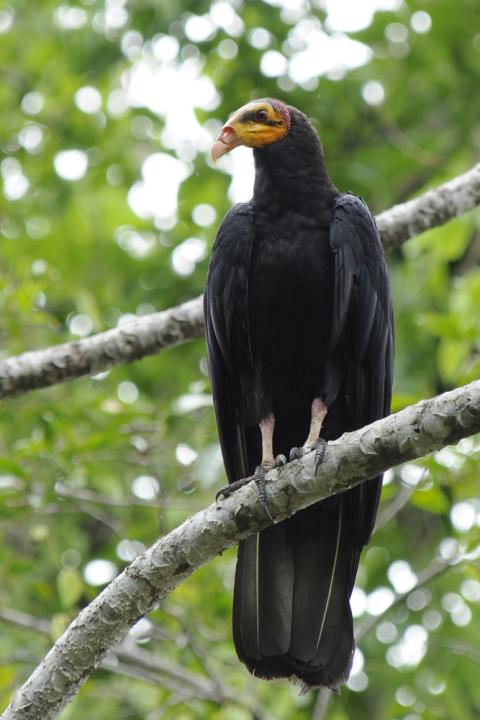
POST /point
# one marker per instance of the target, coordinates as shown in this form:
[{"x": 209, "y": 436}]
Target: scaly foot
[
  {"x": 320, "y": 446},
  {"x": 258, "y": 478},
  {"x": 224, "y": 492}
]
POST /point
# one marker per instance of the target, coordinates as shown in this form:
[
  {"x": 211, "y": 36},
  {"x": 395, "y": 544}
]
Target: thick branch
[
  {"x": 128, "y": 659},
  {"x": 132, "y": 340},
  {"x": 435, "y": 207},
  {"x": 152, "y": 333},
  {"x": 355, "y": 456}
]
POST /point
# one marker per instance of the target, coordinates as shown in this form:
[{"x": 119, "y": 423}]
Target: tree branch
[
  {"x": 128, "y": 659},
  {"x": 435, "y": 207},
  {"x": 152, "y": 333},
  {"x": 411, "y": 433},
  {"x": 133, "y": 340}
]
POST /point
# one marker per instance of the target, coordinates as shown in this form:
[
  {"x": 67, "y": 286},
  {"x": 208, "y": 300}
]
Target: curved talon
[
  {"x": 233, "y": 487},
  {"x": 320, "y": 446},
  {"x": 259, "y": 480},
  {"x": 222, "y": 493},
  {"x": 320, "y": 449},
  {"x": 280, "y": 461},
  {"x": 295, "y": 453}
]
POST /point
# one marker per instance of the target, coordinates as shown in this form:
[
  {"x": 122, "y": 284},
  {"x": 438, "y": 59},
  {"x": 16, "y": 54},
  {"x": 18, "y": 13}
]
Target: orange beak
[{"x": 226, "y": 141}]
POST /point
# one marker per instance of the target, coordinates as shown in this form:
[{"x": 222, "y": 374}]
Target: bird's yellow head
[{"x": 259, "y": 123}]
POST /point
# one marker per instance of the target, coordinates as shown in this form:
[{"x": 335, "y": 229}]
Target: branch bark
[
  {"x": 435, "y": 207},
  {"x": 411, "y": 433},
  {"x": 128, "y": 659},
  {"x": 131, "y": 341},
  {"x": 152, "y": 333}
]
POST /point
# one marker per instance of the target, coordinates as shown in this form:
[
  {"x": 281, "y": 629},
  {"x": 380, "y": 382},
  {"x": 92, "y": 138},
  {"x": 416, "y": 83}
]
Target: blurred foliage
[{"x": 91, "y": 472}]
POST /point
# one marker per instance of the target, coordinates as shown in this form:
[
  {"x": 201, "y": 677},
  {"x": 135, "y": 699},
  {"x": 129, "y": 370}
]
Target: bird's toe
[
  {"x": 259, "y": 480},
  {"x": 320, "y": 449},
  {"x": 229, "y": 489},
  {"x": 295, "y": 453}
]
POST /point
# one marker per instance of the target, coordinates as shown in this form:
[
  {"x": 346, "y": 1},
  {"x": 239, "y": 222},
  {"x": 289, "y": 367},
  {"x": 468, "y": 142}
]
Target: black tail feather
[{"x": 292, "y": 616}]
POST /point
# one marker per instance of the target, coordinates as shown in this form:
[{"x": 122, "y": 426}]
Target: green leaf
[
  {"x": 69, "y": 586},
  {"x": 432, "y": 500}
]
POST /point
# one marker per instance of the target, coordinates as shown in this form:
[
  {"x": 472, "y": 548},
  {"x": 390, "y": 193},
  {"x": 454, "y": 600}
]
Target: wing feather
[
  {"x": 227, "y": 334},
  {"x": 362, "y": 329}
]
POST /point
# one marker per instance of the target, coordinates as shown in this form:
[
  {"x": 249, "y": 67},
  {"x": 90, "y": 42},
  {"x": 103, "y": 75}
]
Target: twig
[
  {"x": 322, "y": 703},
  {"x": 393, "y": 508},
  {"x": 86, "y": 495},
  {"x": 467, "y": 651},
  {"x": 24, "y": 620},
  {"x": 436, "y": 568}
]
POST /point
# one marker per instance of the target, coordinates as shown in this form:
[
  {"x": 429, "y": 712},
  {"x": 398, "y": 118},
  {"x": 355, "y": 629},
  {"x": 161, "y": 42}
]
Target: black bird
[{"x": 300, "y": 342}]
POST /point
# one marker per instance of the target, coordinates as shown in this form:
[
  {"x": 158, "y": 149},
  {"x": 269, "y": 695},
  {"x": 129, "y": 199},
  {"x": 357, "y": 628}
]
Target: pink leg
[
  {"x": 267, "y": 426},
  {"x": 319, "y": 412},
  {"x": 313, "y": 441}
]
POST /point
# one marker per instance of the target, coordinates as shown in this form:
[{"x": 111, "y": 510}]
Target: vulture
[{"x": 299, "y": 335}]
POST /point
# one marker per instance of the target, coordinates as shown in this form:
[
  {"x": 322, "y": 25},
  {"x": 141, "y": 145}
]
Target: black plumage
[{"x": 297, "y": 307}]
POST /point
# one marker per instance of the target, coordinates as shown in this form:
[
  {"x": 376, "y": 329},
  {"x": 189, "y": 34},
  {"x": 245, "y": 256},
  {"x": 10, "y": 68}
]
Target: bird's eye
[{"x": 261, "y": 116}]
